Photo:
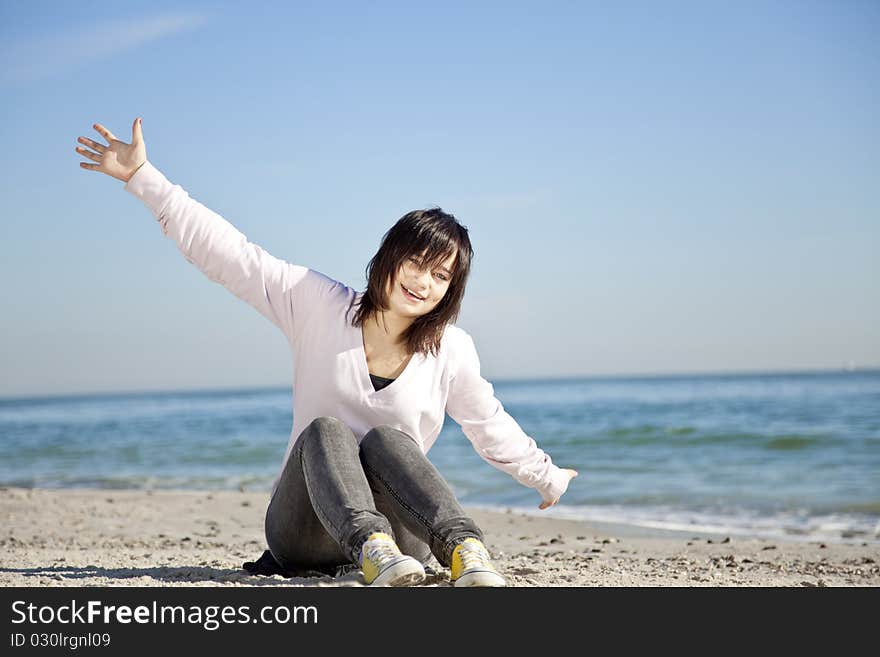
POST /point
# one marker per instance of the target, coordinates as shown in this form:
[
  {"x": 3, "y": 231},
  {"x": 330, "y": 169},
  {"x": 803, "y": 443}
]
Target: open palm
[{"x": 118, "y": 159}]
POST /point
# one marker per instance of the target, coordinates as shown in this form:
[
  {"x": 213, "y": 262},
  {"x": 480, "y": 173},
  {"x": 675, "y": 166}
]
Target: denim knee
[
  {"x": 328, "y": 428},
  {"x": 384, "y": 435},
  {"x": 329, "y": 424}
]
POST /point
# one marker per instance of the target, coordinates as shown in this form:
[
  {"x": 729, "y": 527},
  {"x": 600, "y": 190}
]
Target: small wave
[
  {"x": 650, "y": 430},
  {"x": 867, "y": 507},
  {"x": 145, "y": 482},
  {"x": 629, "y": 431},
  {"x": 684, "y": 437},
  {"x": 680, "y": 431},
  {"x": 791, "y": 443},
  {"x": 793, "y": 526}
]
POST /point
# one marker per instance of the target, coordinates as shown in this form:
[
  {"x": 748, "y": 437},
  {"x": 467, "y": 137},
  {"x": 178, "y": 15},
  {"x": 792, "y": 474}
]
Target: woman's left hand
[{"x": 546, "y": 505}]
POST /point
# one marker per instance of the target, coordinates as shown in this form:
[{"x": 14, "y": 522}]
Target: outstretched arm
[
  {"x": 495, "y": 435},
  {"x": 207, "y": 240}
]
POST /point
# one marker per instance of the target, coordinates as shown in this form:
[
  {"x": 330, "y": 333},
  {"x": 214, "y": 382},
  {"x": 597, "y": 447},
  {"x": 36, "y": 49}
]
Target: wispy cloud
[{"x": 46, "y": 56}]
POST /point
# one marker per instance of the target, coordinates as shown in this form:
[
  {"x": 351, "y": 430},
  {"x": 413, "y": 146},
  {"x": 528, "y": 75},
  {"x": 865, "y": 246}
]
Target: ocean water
[{"x": 793, "y": 456}]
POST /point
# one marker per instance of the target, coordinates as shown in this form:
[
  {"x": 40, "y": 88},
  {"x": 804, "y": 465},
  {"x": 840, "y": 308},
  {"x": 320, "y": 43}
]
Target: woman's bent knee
[
  {"x": 329, "y": 428},
  {"x": 384, "y": 435},
  {"x": 327, "y": 423}
]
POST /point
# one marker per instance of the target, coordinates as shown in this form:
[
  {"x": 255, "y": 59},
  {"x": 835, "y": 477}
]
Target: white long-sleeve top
[{"x": 331, "y": 377}]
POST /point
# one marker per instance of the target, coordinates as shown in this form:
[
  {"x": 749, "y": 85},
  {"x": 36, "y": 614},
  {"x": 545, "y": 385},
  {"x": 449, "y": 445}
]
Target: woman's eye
[{"x": 442, "y": 277}]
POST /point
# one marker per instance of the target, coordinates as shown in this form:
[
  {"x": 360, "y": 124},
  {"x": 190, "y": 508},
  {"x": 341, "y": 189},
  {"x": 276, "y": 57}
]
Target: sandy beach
[{"x": 201, "y": 538}]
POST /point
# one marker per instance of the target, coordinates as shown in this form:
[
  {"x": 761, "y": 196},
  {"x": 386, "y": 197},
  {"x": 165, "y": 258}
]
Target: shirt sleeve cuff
[
  {"x": 147, "y": 183},
  {"x": 557, "y": 485}
]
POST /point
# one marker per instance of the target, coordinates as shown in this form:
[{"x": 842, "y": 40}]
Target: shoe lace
[
  {"x": 474, "y": 555},
  {"x": 379, "y": 551}
]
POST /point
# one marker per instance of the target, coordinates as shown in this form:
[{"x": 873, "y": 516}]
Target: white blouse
[{"x": 331, "y": 377}]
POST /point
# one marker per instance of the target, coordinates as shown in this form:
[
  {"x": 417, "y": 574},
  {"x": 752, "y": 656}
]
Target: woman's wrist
[{"x": 135, "y": 171}]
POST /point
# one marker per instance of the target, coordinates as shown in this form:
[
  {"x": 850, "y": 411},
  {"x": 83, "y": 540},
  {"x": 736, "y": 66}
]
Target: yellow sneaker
[
  {"x": 383, "y": 564},
  {"x": 471, "y": 565}
]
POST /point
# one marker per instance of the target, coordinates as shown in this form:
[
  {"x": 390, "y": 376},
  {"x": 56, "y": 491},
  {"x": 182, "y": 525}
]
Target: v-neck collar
[{"x": 360, "y": 354}]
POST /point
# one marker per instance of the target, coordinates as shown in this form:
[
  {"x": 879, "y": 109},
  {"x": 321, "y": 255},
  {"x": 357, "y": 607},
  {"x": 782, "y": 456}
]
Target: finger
[
  {"x": 88, "y": 154},
  {"x": 89, "y": 165},
  {"x": 93, "y": 144},
  {"x": 105, "y": 133},
  {"x": 137, "y": 134}
]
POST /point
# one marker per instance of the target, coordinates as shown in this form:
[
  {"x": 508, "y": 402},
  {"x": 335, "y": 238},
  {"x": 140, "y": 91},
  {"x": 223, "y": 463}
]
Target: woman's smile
[{"x": 409, "y": 295}]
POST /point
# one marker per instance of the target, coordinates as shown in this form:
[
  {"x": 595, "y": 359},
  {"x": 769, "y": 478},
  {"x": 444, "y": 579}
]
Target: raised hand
[
  {"x": 546, "y": 505},
  {"x": 119, "y": 160}
]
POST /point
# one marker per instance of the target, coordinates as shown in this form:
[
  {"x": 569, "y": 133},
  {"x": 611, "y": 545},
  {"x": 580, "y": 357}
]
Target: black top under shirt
[{"x": 379, "y": 382}]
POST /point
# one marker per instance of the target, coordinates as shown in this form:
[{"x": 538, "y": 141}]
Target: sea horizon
[{"x": 501, "y": 380}]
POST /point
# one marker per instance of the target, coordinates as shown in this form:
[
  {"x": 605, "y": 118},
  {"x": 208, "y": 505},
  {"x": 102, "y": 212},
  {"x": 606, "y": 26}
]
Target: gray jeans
[{"x": 334, "y": 493}]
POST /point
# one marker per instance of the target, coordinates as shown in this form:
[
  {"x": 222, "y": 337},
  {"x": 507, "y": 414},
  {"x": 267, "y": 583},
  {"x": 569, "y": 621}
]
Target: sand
[{"x": 201, "y": 538}]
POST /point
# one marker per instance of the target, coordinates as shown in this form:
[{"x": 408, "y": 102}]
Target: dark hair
[{"x": 438, "y": 235}]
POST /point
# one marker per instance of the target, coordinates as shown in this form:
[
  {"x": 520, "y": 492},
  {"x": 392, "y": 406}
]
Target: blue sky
[{"x": 649, "y": 187}]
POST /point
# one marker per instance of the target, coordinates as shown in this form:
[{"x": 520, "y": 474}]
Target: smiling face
[
  {"x": 437, "y": 272},
  {"x": 429, "y": 285}
]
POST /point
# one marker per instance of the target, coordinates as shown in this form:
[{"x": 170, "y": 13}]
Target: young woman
[{"x": 374, "y": 373}]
